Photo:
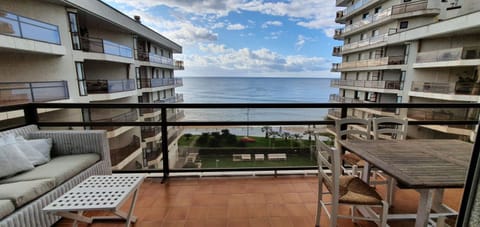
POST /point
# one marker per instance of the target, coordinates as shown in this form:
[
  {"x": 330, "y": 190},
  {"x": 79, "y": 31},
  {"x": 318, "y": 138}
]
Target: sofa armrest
[{"x": 66, "y": 142}]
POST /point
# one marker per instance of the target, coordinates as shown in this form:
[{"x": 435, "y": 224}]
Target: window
[
  {"x": 365, "y": 15},
  {"x": 363, "y": 36},
  {"x": 359, "y": 57},
  {"x": 348, "y": 40},
  {"x": 82, "y": 83},
  {"x": 74, "y": 31},
  {"x": 377, "y": 10},
  {"x": 137, "y": 76},
  {"x": 350, "y": 22},
  {"x": 403, "y": 24},
  {"x": 375, "y": 33}
]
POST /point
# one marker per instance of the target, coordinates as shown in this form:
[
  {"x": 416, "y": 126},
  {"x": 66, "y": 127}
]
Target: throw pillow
[
  {"x": 12, "y": 160},
  {"x": 7, "y": 139},
  {"x": 42, "y": 146},
  {"x": 32, "y": 154}
]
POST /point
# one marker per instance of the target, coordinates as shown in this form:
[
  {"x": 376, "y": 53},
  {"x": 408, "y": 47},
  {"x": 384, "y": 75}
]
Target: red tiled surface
[{"x": 243, "y": 201}]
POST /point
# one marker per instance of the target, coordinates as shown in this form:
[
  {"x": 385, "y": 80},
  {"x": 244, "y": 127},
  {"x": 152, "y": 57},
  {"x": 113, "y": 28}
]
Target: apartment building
[
  {"x": 407, "y": 51},
  {"x": 86, "y": 51}
]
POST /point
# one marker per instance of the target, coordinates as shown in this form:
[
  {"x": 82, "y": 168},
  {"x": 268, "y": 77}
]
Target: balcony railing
[
  {"x": 160, "y": 59},
  {"x": 98, "y": 45},
  {"x": 152, "y": 154},
  {"x": 156, "y": 82},
  {"x": 179, "y": 65},
  {"x": 409, "y": 7},
  {"x": 452, "y": 54},
  {"x": 18, "y": 92},
  {"x": 387, "y": 13},
  {"x": 381, "y": 84},
  {"x": 119, "y": 154},
  {"x": 109, "y": 86},
  {"x": 464, "y": 88},
  {"x": 444, "y": 115},
  {"x": 390, "y": 60},
  {"x": 27, "y": 28},
  {"x": 150, "y": 131},
  {"x": 367, "y": 42},
  {"x": 337, "y": 51},
  {"x": 130, "y": 116},
  {"x": 370, "y": 19},
  {"x": 178, "y": 82},
  {"x": 338, "y": 33},
  {"x": 335, "y": 67}
]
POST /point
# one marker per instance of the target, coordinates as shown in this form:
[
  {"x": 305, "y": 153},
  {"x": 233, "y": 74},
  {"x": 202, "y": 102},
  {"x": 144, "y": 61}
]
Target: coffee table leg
[
  {"x": 129, "y": 217},
  {"x": 76, "y": 217}
]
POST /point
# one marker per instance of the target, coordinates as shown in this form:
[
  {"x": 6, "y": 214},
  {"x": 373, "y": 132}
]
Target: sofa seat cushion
[
  {"x": 23, "y": 192},
  {"x": 60, "y": 169},
  {"x": 6, "y": 207}
]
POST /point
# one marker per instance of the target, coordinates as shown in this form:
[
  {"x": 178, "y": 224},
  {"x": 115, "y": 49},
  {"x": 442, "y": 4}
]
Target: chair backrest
[
  {"x": 389, "y": 128},
  {"x": 329, "y": 167},
  {"x": 348, "y": 128}
]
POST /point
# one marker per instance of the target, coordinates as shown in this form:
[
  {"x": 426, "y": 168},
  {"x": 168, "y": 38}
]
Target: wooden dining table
[{"x": 426, "y": 165}]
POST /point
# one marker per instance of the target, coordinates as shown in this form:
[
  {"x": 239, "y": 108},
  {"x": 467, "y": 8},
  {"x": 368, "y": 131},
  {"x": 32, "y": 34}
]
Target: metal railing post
[
  {"x": 166, "y": 167},
  {"x": 31, "y": 114},
  {"x": 471, "y": 185}
]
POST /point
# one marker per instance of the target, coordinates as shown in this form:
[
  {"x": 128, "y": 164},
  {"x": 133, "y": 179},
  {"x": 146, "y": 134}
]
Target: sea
[{"x": 255, "y": 90}]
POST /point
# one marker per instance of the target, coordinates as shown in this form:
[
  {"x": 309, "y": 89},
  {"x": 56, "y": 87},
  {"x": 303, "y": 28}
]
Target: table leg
[
  {"x": 366, "y": 173},
  {"x": 424, "y": 207},
  {"x": 129, "y": 216},
  {"x": 76, "y": 217}
]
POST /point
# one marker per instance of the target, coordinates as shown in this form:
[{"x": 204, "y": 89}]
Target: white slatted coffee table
[{"x": 103, "y": 192}]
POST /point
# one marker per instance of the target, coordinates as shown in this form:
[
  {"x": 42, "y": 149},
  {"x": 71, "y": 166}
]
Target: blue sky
[{"x": 290, "y": 38}]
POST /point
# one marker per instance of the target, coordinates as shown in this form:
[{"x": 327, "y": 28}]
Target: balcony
[
  {"x": 109, "y": 86},
  {"x": 366, "y": 43},
  {"x": 179, "y": 65},
  {"x": 120, "y": 154},
  {"x": 155, "y": 82},
  {"x": 338, "y": 35},
  {"x": 178, "y": 82},
  {"x": 335, "y": 67},
  {"x": 152, "y": 154},
  {"x": 370, "y": 63},
  {"x": 132, "y": 115},
  {"x": 98, "y": 45},
  {"x": 383, "y": 111},
  {"x": 223, "y": 198},
  {"x": 461, "y": 56},
  {"x": 150, "y": 131},
  {"x": 337, "y": 51},
  {"x": 18, "y": 92},
  {"x": 455, "y": 88},
  {"x": 408, "y": 9},
  {"x": 380, "y": 84},
  {"x": 27, "y": 28},
  {"x": 445, "y": 115},
  {"x": 154, "y": 58}
]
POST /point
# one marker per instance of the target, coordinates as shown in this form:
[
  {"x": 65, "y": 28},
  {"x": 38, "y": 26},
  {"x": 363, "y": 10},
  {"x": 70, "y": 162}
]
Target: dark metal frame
[{"x": 31, "y": 117}]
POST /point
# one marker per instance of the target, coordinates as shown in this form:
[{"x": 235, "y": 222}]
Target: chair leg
[
  {"x": 390, "y": 190},
  {"x": 383, "y": 217},
  {"x": 319, "y": 203}
]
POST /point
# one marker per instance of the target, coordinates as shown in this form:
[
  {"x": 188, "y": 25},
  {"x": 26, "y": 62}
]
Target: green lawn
[
  {"x": 226, "y": 161},
  {"x": 259, "y": 142}
]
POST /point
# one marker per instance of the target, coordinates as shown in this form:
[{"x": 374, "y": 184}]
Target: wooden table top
[{"x": 423, "y": 163}]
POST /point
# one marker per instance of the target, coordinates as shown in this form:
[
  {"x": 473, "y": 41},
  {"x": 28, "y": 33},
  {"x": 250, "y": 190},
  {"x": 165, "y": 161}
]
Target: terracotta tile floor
[{"x": 243, "y": 201}]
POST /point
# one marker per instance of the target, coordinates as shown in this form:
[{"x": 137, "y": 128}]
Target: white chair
[
  {"x": 388, "y": 128},
  {"x": 352, "y": 128},
  {"x": 345, "y": 190}
]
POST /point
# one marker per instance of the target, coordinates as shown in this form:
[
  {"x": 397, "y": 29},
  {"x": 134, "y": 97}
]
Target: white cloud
[
  {"x": 301, "y": 41},
  {"x": 313, "y": 14},
  {"x": 271, "y": 23},
  {"x": 220, "y": 60},
  {"x": 235, "y": 27}
]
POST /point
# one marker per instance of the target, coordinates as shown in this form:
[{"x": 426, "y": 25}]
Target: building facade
[
  {"x": 406, "y": 51},
  {"x": 86, "y": 51}
]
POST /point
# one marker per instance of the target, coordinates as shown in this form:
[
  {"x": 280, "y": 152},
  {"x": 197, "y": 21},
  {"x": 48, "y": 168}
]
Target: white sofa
[{"x": 75, "y": 155}]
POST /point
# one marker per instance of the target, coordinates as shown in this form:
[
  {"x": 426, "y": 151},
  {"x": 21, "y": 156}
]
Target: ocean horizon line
[{"x": 260, "y": 77}]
